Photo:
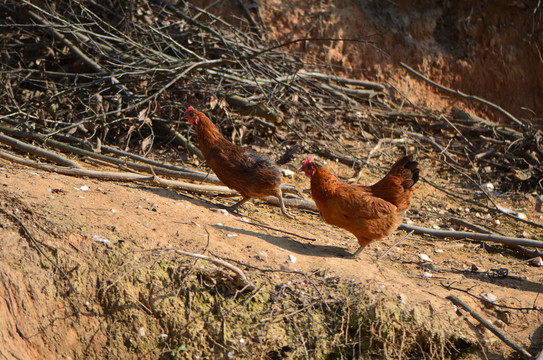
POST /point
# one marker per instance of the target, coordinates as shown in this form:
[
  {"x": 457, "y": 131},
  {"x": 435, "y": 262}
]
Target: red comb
[
  {"x": 309, "y": 160},
  {"x": 190, "y": 108}
]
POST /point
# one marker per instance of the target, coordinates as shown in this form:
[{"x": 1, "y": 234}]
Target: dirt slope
[
  {"x": 487, "y": 49},
  {"x": 62, "y": 214}
]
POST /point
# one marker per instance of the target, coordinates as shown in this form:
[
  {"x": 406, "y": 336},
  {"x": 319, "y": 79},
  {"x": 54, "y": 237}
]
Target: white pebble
[
  {"x": 288, "y": 173},
  {"x": 292, "y": 259},
  {"x": 522, "y": 216},
  {"x": 222, "y": 211},
  {"x": 84, "y": 188},
  {"x": 231, "y": 235},
  {"x": 489, "y": 186},
  {"x": 424, "y": 257},
  {"x": 491, "y": 298},
  {"x": 427, "y": 275},
  {"x": 100, "y": 239},
  {"x": 262, "y": 256},
  {"x": 537, "y": 261},
  {"x": 141, "y": 331}
]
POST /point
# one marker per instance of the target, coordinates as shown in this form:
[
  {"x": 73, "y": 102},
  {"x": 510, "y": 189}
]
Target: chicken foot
[
  {"x": 356, "y": 253},
  {"x": 234, "y": 208},
  {"x": 282, "y": 205}
]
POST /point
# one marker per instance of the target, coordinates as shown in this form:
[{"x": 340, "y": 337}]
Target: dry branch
[
  {"x": 120, "y": 176},
  {"x": 492, "y": 328},
  {"x": 38, "y": 151},
  {"x": 241, "y": 278},
  {"x": 474, "y": 236},
  {"x": 466, "y": 224}
]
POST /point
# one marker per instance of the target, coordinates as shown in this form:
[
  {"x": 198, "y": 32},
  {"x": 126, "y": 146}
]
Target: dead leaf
[{"x": 146, "y": 143}]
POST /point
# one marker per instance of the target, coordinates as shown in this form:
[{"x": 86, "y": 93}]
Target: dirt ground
[{"x": 75, "y": 215}]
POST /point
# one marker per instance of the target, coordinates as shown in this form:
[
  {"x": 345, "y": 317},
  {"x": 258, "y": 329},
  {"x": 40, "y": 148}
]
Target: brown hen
[
  {"x": 369, "y": 212},
  {"x": 239, "y": 168}
]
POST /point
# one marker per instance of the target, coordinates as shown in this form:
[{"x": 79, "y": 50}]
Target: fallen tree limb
[
  {"x": 38, "y": 151},
  {"x": 180, "y": 173},
  {"x": 492, "y": 328},
  {"x": 474, "y": 236},
  {"x": 121, "y": 176},
  {"x": 466, "y": 224},
  {"x": 245, "y": 107}
]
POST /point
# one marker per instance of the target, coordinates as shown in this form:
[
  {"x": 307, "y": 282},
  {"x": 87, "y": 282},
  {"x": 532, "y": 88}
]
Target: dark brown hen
[{"x": 239, "y": 168}]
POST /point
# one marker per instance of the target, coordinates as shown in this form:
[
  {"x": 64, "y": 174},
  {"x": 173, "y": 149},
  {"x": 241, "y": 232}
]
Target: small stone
[
  {"x": 262, "y": 256},
  {"x": 497, "y": 222},
  {"x": 222, "y": 211},
  {"x": 427, "y": 275},
  {"x": 488, "y": 186},
  {"x": 231, "y": 235},
  {"x": 537, "y": 261},
  {"x": 438, "y": 251},
  {"x": 292, "y": 258},
  {"x": 522, "y": 216},
  {"x": 489, "y": 297},
  {"x": 141, "y": 331},
  {"x": 100, "y": 239},
  {"x": 424, "y": 257},
  {"x": 288, "y": 173}
]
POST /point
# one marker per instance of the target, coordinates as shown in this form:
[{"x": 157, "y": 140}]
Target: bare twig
[
  {"x": 395, "y": 244},
  {"x": 75, "y": 49},
  {"x": 241, "y": 278},
  {"x": 534, "y": 308},
  {"x": 492, "y": 328}
]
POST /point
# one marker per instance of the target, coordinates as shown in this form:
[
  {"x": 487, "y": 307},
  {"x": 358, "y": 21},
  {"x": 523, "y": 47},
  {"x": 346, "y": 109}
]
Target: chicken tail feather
[
  {"x": 288, "y": 155},
  {"x": 407, "y": 170}
]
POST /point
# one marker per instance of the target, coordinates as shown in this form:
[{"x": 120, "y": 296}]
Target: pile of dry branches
[{"x": 109, "y": 80}]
